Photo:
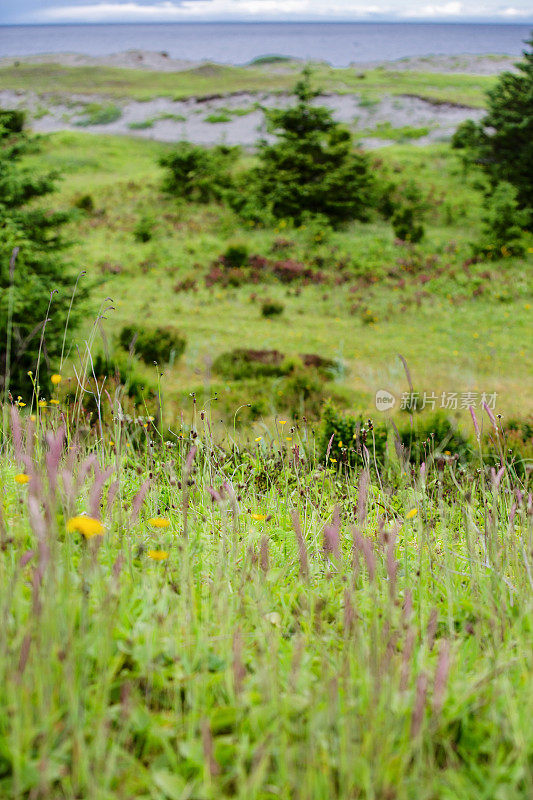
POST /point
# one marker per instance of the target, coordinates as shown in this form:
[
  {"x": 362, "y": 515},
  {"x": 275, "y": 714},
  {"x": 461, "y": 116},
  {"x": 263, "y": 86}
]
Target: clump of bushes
[
  {"x": 270, "y": 308},
  {"x": 350, "y": 435},
  {"x": 406, "y": 224},
  {"x": 199, "y": 174},
  {"x": 121, "y": 371},
  {"x": 241, "y": 363},
  {"x": 244, "y": 363},
  {"x": 236, "y": 256},
  {"x": 502, "y": 226},
  {"x": 516, "y": 442},
  {"x": 161, "y": 345},
  {"x": 144, "y": 229},
  {"x": 85, "y": 202},
  {"x": 11, "y": 121},
  {"x": 433, "y": 435}
]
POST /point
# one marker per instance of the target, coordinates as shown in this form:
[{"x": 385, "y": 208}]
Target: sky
[{"x": 64, "y": 11}]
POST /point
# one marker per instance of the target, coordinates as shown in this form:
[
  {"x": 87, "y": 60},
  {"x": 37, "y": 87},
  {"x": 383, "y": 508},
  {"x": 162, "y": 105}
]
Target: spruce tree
[
  {"x": 313, "y": 166},
  {"x": 36, "y": 287},
  {"x": 502, "y": 143}
]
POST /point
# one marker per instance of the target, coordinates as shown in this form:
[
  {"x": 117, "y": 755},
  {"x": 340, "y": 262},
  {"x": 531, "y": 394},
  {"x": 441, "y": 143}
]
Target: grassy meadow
[
  {"x": 209, "y": 79},
  {"x": 460, "y": 328},
  {"x": 207, "y": 594}
]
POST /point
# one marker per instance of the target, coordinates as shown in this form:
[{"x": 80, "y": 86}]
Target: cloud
[
  {"x": 453, "y": 9},
  {"x": 514, "y": 12},
  {"x": 209, "y": 9},
  {"x": 327, "y": 10}
]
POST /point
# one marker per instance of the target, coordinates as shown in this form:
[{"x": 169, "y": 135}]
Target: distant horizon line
[{"x": 417, "y": 21}]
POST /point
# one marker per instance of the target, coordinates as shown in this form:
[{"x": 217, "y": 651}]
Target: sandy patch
[{"x": 167, "y": 120}]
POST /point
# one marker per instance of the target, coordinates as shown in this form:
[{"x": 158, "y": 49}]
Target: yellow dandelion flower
[
  {"x": 157, "y": 555},
  {"x": 56, "y": 379},
  {"x": 42, "y": 403},
  {"x": 22, "y": 478},
  {"x": 21, "y": 404},
  {"x": 476, "y": 336},
  {"x": 159, "y": 522},
  {"x": 283, "y": 422},
  {"x": 111, "y": 443},
  {"x": 87, "y": 526},
  {"x": 412, "y": 513},
  {"x": 288, "y": 438},
  {"x": 340, "y": 444},
  {"x": 259, "y": 517},
  {"x": 258, "y": 438},
  {"x": 33, "y": 417},
  {"x": 333, "y": 460},
  {"x": 54, "y": 402}
]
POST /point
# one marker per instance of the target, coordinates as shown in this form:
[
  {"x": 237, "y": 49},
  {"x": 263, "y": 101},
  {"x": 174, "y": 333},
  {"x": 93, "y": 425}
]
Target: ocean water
[{"x": 238, "y": 43}]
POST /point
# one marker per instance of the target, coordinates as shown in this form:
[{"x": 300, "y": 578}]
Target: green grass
[
  {"x": 223, "y": 656},
  {"x": 213, "y": 79},
  {"x": 463, "y": 329},
  {"x": 385, "y": 130},
  {"x": 53, "y": 79},
  {"x": 150, "y": 122},
  {"x": 99, "y": 114},
  {"x": 218, "y": 117}
]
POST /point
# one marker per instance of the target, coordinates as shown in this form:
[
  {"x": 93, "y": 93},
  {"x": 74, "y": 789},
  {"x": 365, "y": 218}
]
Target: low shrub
[
  {"x": 270, "y": 308},
  {"x": 503, "y": 224},
  {"x": 197, "y": 173},
  {"x": 406, "y": 225},
  {"x": 85, "y": 202},
  {"x": 120, "y": 370},
  {"x": 236, "y": 256},
  {"x": 240, "y": 364},
  {"x": 144, "y": 229},
  {"x": 11, "y": 121},
  {"x": 433, "y": 435},
  {"x": 161, "y": 345},
  {"x": 516, "y": 443},
  {"x": 350, "y": 436}
]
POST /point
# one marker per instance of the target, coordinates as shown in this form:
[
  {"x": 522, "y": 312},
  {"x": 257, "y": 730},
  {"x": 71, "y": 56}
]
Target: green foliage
[
  {"x": 160, "y": 345},
  {"x": 85, "y": 202},
  {"x": 240, "y": 364},
  {"x": 406, "y": 226},
  {"x": 386, "y": 130},
  {"x": 312, "y": 166},
  {"x": 432, "y": 435},
  {"x": 99, "y": 114},
  {"x": 216, "y": 118},
  {"x": 236, "y": 255},
  {"x": 11, "y": 121},
  {"x": 502, "y": 224},
  {"x": 354, "y": 441},
  {"x": 502, "y": 144},
  {"x": 269, "y": 308},
  {"x": 197, "y": 173},
  {"x": 38, "y": 276},
  {"x": 121, "y": 371},
  {"x": 144, "y": 228},
  {"x": 515, "y": 445}
]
